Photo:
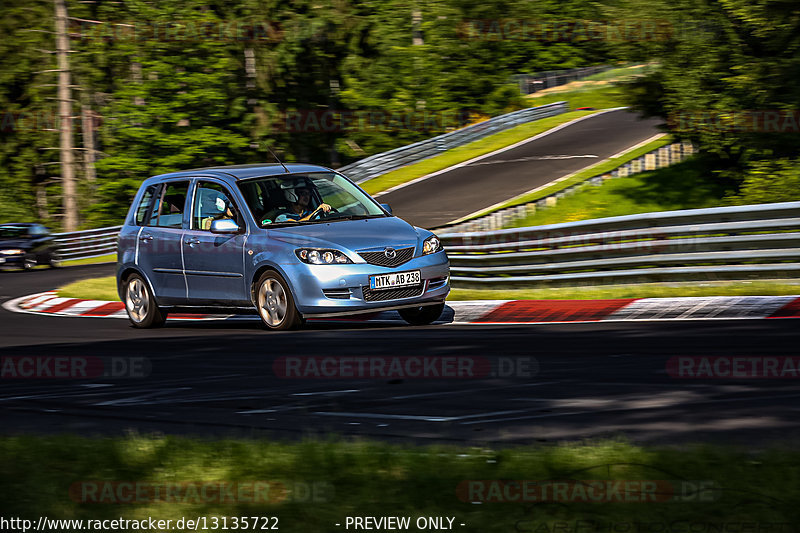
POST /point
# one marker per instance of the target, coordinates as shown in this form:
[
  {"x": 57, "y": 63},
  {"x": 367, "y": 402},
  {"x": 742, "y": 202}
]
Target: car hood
[
  {"x": 370, "y": 233},
  {"x": 14, "y": 243}
]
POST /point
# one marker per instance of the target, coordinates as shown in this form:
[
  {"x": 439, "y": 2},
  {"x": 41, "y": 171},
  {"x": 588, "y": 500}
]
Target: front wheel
[
  {"x": 422, "y": 315},
  {"x": 275, "y": 304},
  {"x": 140, "y": 304}
]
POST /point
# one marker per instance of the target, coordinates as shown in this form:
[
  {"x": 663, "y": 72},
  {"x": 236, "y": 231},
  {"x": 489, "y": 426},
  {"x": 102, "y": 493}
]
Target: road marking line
[
  {"x": 322, "y": 393},
  {"x": 535, "y": 158},
  {"x": 692, "y": 401},
  {"x": 416, "y": 417},
  {"x": 487, "y": 210},
  {"x": 634, "y": 147},
  {"x": 499, "y": 151}
]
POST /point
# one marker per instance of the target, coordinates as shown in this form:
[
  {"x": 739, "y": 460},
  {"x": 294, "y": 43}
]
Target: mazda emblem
[{"x": 390, "y": 253}]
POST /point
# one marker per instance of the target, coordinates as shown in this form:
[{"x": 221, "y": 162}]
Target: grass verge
[
  {"x": 684, "y": 185},
  {"x": 469, "y": 151},
  {"x": 110, "y": 258},
  {"x": 105, "y": 289},
  {"x": 582, "y": 175},
  {"x": 643, "y": 290},
  {"x": 91, "y": 289},
  {"x": 589, "y": 95},
  {"x": 622, "y": 73},
  {"x": 377, "y": 479}
]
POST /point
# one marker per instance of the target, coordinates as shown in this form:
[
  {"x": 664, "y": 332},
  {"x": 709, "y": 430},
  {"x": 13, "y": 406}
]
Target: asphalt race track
[
  {"x": 592, "y": 380},
  {"x": 449, "y": 196}
]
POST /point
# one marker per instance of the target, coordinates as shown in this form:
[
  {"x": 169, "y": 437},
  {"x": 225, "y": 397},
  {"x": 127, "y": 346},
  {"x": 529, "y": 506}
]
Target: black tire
[
  {"x": 29, "y": 263},
  {"x": 54, "y": 260},
  {"x": 275, "y": 303},
  {"x": 141, "y": 306},
  {"x": 422, "y": 315}
]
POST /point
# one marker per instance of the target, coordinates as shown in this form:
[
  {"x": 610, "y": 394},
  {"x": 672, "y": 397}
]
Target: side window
[
  {"x": 212, "y": 201},
  {"x": 144, "y": 205},
  {"x": 169, "y": 211}
]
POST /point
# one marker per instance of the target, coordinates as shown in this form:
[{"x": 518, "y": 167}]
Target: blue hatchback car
[{"x": 290, "y": 242}]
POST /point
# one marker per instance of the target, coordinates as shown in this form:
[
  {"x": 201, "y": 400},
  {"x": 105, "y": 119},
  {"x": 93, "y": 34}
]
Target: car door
[
  {"x": 42, "y": 243},
  {"x": 159, "y": 243},
  {"x": 214, "y": 263}
]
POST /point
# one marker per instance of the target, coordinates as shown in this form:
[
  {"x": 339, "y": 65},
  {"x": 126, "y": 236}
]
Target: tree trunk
[
  {"x": 87, "y": 132},
  {"x": 65, "y": 114}
]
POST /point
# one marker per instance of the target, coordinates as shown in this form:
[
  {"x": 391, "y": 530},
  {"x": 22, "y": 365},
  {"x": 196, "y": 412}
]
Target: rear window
[{"x": 144, "y": 204}]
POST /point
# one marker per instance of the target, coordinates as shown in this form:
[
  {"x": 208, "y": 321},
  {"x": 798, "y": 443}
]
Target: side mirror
[
  {"x": 387, "y": 208},
  {"x": 224, "y": 226}
]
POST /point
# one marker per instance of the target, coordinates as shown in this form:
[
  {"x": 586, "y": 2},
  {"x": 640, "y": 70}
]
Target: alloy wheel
[{"x": 137, "y": 300}]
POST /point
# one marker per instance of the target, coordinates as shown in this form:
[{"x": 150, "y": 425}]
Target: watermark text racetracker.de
[
  {"x": 587, "y": 491},
  {"x": 733, "y": 367},
  {"x": 204, "y": 492},
  {"x": 73, "y": 367},
  {"x": 404, "y": 367}
]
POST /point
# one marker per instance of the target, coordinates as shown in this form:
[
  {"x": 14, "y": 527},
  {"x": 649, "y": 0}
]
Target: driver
[{"x": 299, "y": 197}]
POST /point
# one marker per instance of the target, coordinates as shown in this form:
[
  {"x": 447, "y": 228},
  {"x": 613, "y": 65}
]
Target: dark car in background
[{"x": 26, "y": 246}]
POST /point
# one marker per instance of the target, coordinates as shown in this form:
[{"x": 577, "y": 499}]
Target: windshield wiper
[
  {"x": 281, "y": 224},
  {"x": 355, "y": 217}
]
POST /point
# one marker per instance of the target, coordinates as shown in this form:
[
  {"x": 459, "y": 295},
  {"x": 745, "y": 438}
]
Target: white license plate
[
  {"x": 2, "y": 259},
  {"x": 391, "y": 281}
]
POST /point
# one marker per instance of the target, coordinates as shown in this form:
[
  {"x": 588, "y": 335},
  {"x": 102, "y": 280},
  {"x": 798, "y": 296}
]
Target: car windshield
[
  {"x": 13, "y": 232},
  {"x": 299, "y": 199}
]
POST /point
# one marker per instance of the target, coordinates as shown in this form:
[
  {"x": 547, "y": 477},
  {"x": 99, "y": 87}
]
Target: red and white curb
[
  {"x": 485, "y": 311},
  {"x": 48, "y": 303}
]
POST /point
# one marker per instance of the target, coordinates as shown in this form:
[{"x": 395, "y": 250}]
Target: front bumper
[
  {"x": 12, "y": 261},
  {"x": 325, "y": 290}
]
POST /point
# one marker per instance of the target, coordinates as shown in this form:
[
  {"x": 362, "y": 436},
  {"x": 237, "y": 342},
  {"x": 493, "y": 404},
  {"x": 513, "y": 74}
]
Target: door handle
[
  {"x": 146, "y": 237},
  {"x": 192, "y": 241}
]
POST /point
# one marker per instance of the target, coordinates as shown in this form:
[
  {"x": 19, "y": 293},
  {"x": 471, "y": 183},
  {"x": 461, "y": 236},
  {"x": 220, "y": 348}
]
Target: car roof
[{"x": 240, "y": 172}]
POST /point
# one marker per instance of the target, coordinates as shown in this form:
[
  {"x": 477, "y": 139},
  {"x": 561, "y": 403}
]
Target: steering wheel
[{"x": 322, "y": 214}]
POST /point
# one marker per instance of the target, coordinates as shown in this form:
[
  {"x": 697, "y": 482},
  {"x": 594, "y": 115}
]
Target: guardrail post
[{"x": 650, "y": 161}]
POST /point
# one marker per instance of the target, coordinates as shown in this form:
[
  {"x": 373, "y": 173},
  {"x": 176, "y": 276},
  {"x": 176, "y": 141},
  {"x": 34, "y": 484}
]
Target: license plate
[
  {"x": 2, "y": 259},
  {"x": 391, "y": 281}
]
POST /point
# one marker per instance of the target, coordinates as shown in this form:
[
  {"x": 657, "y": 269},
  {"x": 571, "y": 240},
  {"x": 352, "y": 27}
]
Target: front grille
[
  {"x": 379, "y": 258},
  {"x": 371, "y": 295}
]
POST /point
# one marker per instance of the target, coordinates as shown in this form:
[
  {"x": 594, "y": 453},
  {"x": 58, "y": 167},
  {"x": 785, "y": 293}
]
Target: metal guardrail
[
  {"x": 736, "y": 243},
  {"x": 742, "y": 242},
  {"x": 375, "y": 165},
  {"x": 87, "y": 244}
]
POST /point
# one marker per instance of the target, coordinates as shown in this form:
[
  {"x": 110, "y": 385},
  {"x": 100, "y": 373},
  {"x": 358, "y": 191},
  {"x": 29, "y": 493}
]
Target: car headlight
[
  {"x": 12, "y": 251},
  {"x": 431, "y": 245},
  {"x": 314, "y": 256}
]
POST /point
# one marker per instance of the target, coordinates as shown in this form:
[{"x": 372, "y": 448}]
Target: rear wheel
[
  {"x": 275, "y": 304},
  {"x": 54, "y": 261},
  {"x": 140, "y": 304},
  {"x": 422, "y": 315}
]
